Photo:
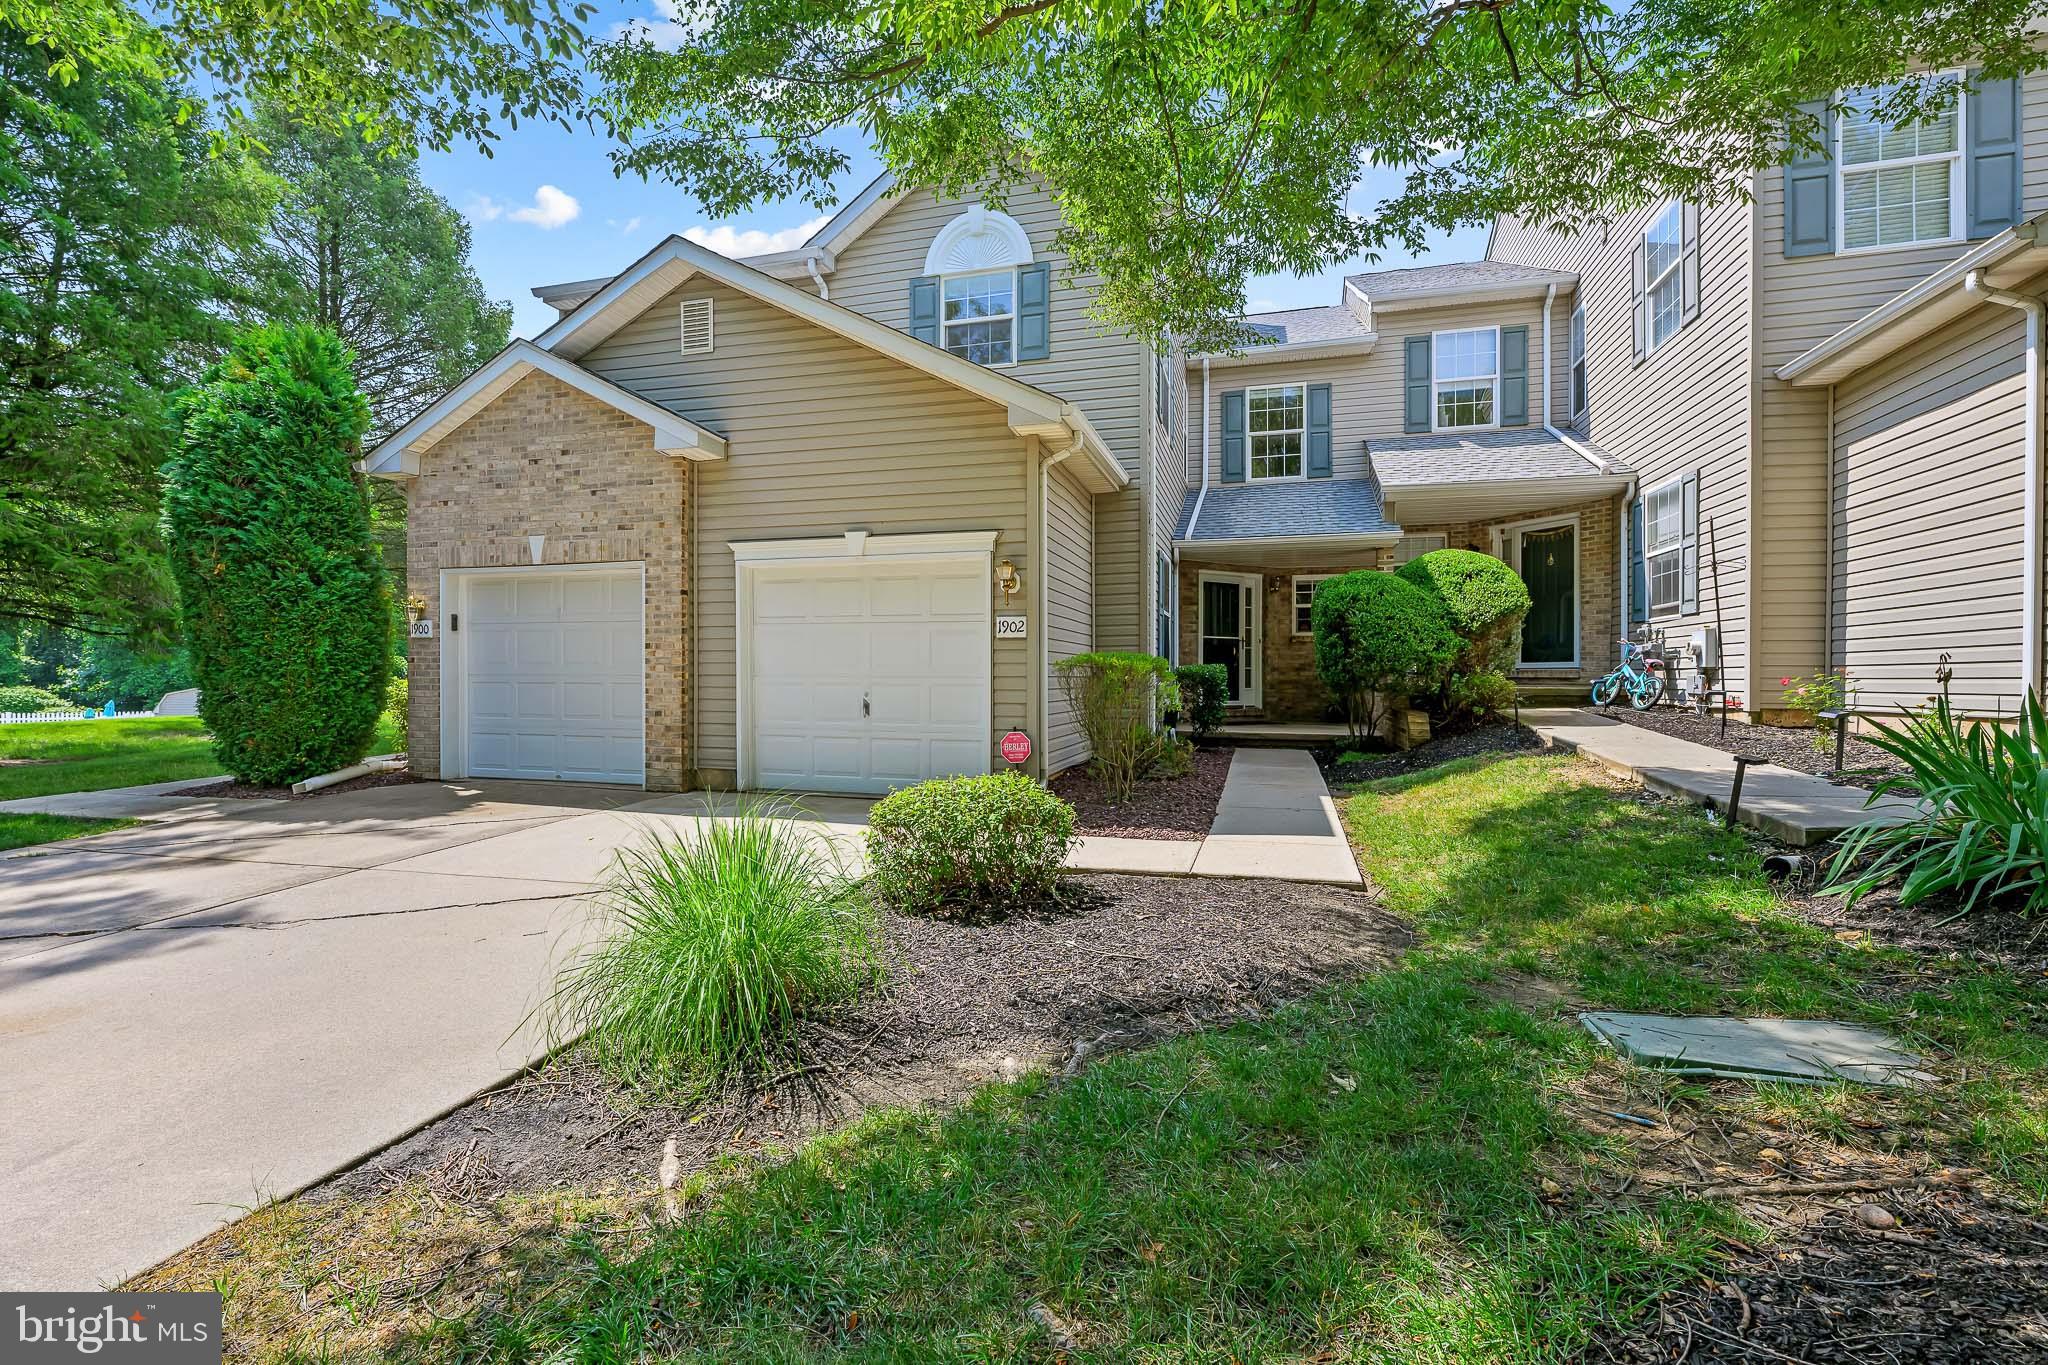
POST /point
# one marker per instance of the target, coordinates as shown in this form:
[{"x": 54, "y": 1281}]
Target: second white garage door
[{"x": 867, "y": 678}]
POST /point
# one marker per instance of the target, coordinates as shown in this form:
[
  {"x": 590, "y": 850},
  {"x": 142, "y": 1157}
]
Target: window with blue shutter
[
  {"x": 924, "y": 308},
  {"x": 1233, "y": 436},
  {"x": 1319, "y": 466},
  {"x": 1034, "y": 311},
  {"x": 1992, "y": 120},
  {"x": 1638, "y": 580},
  {"x": 1514, "y": 376},
  {"x": 1166, "y": 643},
  {"x": 1415, "y": 400},
  {"x": 1809, "y": 179}
]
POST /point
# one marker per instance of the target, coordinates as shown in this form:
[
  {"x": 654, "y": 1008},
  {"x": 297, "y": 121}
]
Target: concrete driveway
[{"x": 229, "y": 1003}]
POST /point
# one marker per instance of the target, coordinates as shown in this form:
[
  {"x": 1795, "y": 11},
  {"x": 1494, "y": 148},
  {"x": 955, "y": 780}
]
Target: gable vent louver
[{"x": 696, "y": 326}]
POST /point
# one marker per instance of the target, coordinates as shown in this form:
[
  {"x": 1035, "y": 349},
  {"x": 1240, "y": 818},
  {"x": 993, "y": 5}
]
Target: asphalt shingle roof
[
  {"x": 1420, "y": 281},
  {"x": 1296, "y": 326},
  {"x": 1478, "y": 457},
  {"x": 1310, "y": 507}
]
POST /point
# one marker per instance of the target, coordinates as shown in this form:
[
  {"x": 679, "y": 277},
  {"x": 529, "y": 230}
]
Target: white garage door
[
  {"x": 866, "y": 679},
  {"x": 553, "y": 686}
]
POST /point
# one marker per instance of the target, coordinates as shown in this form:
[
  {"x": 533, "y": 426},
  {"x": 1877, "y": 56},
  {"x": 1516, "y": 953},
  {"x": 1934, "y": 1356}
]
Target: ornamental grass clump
[
  {"x": 714, "y": 947},
  {"x": 1982, "y": 831},
  {"x": 969, "y": 847}
]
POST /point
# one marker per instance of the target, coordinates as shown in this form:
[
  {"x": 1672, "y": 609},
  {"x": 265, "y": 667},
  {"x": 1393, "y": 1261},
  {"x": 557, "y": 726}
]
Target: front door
[
  {"x": 1230, "y": 632},
  {"x": 1549, "y": 560}
]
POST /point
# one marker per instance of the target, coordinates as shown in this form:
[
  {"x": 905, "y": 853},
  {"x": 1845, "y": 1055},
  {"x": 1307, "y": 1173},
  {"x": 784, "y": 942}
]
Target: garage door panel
[
  {"x": 490, "y": 599},
  {"x": 959, "y": 595},
  {"x": 627, "y": 702},
  {"x": 899, "y": 595},
  {"x": 898, "y": 760},
  {"x": 490, "y": 647},
  {"x": 958, "y": 757},
  {"x": 586, "y": 597},
  {"x": 837, "y": 757},
  {"x": 537, "y": 647},
  {"x": 624, "y": 650},
  {"x": 490, "y": 701},
  {"x": 897, "y": 703},
  {"x": 537, "y": 701},
  {"x": 955, "y": 706},
  {"x": 535, "y": 595},
  {"x": 583, "y": 701},
  {"x": 956, "y": 651},
  {"x": 901, "y": 648}
]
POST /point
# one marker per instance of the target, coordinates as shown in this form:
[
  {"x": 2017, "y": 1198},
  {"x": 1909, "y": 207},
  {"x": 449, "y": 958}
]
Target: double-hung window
[
  {"x": 1902, "y": 182},
  {"x": 1466, "y": 376},
  {"x": 1578, "y": 360},
  {"x": 1664, "y": 546},
  {"x": 1276, "y": 424},
  {"x": 979, "y": 314},
  {"x": 1664, "y": 249},
  {"x": 1304, "y": 599}
]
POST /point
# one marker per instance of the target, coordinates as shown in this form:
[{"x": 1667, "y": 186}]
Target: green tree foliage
[
  {"x": 426, "y": 72},
  {"x": 114, "y": 224},
  {"x": 1193, "y": 145},
  {"x": 1483, "y": 600},
  {"x": 1379, "y": 638},
  {"x": 108, "y": 670},
  {"x": 285, "y": 604}
]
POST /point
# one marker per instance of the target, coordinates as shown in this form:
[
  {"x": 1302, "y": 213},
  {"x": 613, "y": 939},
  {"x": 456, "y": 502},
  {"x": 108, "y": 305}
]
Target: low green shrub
[
  {"x": 1116, "y": 696},
  {"x": 1483, "y": 696},
  {"x": 1204, "y": 692},
  {"x": 23, "y": 698},
  {"x": 968, "y": 847},
  {"x": 398, "y": 708},
  {"x": 1483, "y": 600},
  {"x": 1983, "y": 827},
  {"x": 1378, "y": 638},
  {"x": 712, "y": 949},
  {"x": 1822, "y": 692}
]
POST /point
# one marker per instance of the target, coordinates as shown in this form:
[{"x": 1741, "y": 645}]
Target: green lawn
[
  {"x": 20, "y": 831},
  {"x": 1393, "y": 1170},
  {"x": 92, "y": 755}
]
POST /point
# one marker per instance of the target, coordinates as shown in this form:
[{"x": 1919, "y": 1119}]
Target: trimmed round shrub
[
  {"x": 284, "y": 597},
  {"x": 25, "y": 699},
  {"x": 1204, "y": 692},
  {"x": 1379, "y": 638},
  {"x": 1483, "y": 600},
  {"x": 1483, "y": 696},
  {"x": 968, "y": 847}
]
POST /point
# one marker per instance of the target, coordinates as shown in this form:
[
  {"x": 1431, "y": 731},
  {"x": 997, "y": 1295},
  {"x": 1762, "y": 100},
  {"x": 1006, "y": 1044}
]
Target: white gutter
[
  {"x": 1043, "y": 720},
  {"x": 2030, "y": 534},
  {"x": 1201, "y": 489},
  {"x": 824, "y": 290},
  {"x": 1550, "y": 297}
]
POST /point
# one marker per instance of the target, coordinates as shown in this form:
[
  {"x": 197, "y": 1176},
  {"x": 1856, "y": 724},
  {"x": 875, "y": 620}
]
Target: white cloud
[
  {"x": 753, "y": 242},
  {"x": 632, "y": 226},
  {"x": 668, "y": 32},
  {"x": 1263, "y": 306},
  {"x": 550, "y": 209},
  {"x": 483, "y": 209}
]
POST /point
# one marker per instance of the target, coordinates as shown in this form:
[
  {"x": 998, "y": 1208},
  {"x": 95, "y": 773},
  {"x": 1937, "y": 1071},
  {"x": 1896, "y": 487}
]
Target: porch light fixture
[
  {"x": 415, "y": 608},
  {"x": 1008, "y": 580}
]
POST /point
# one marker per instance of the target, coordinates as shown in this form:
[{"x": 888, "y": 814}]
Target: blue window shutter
[
  {"x": 1319, "y": 431},
  {"x": 1415, "y": 405},
  {"x": 1514, "y": 376},
  {"x": 924, "y": 308},
  {"x": 1992, "y": 190},
  {"x": 1034, "y": 311},
  {"x": 1689, "y": 548},
  {"x": 1810, "y": 188},
  {"x": 1638, "y": 580},
  {"x": 1233, "y": 436}
]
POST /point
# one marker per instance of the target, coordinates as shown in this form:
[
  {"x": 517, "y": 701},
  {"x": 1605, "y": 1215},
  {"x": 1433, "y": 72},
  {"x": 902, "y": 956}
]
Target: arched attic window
[{"x": 981, "y": 296}]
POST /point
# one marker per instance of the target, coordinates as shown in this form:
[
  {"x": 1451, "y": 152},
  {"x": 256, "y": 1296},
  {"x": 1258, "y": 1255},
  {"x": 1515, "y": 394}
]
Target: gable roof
[
  {"x": 1031, "y": 410},
  {"x": 399, "y": 453},
  {"x": 1461, "y": 281}
]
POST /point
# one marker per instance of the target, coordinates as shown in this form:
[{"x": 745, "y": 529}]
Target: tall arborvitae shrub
[{"x": 284, "y": 597}]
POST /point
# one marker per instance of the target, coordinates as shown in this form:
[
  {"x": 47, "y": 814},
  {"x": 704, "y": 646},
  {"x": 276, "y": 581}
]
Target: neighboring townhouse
[{"x": 1829, "y": 392}]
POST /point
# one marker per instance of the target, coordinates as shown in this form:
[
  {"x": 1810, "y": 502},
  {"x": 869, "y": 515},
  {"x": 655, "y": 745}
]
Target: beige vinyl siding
[
  {"x": 826, "y": 436},
  {"x": 1801, "y": 301},
  {"x": 1928, "y": 503},
  {"x": 1102, "y": 372},
  {"x": 1366, "y": 392},
  {"x": 1070, "y": 607},
  {"x": 1169, "y": 483},
  {"x": 1685, "y": 408}
]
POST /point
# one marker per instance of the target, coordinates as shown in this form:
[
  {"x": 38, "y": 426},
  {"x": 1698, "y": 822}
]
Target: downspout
[
  {"x": 1042, "y": 693},
  {"x": 824, "y": 290},
  {"x": 2030, "y": 535},
  {"x": 1584, "y": 452},
  {"x": 1202, "y": 488}
]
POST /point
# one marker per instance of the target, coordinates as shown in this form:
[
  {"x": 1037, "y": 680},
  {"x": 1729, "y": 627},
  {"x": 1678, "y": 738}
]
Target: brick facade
[{"x": 546, "y": 460}]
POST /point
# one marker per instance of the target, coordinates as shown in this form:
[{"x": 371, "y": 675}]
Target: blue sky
[{"x": 548, "y": 207}]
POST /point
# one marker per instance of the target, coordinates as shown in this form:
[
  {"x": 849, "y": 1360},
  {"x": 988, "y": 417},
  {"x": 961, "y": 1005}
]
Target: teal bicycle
[{"x": 1640, "y": 677}]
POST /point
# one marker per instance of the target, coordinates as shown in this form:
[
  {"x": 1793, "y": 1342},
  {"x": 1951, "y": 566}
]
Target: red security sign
[{"x": 1016, "y": 746}]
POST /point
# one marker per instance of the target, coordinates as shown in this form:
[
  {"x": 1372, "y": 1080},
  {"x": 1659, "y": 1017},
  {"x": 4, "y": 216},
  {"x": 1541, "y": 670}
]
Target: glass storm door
[
  {"x": 1550, "y": 566},
  {"x": 1230, "y": 608}
]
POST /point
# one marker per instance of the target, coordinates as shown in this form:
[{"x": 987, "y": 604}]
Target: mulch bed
[
  {"x": 1787, "y": 747},
  {"x": 1491, "y": 739},
  {"x": 1162, "y": 808},
  {"x": 249, "y": 791},
  {"x": 1134, "y": 959}
]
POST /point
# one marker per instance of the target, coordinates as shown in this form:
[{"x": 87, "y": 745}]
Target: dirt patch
[
  {"x": 1863, "y": 766},
  {"x": 25, "y": 762},
  {"x": 1141, "y": 958},
  {"x": 1490, "y": 739},
  {"x": 1162, "y": 808},
  {"x": 249, "y": 791}
]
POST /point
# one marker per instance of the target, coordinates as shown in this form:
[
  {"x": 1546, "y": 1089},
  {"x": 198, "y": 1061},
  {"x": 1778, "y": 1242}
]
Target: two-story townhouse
[{"x": 1829, "y": 392}]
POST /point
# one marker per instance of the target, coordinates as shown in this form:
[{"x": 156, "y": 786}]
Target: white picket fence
[{"x": 30, "y": 717}]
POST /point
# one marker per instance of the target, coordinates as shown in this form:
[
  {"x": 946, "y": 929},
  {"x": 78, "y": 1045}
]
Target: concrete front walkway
[
  {"x": 1275, "y": 818},
  {"x": 1792, "y": 807}
]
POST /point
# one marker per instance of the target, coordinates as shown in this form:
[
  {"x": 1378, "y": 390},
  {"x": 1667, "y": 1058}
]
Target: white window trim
[
  {"x": 1651, "y": 345},
  {"x": 1443, "y": 536},
  {"x": 1252, "y": 693},
  {"x": 1250, "y": 477},
  {"x": 1294, "y": 601},
  {"x": 1511, "y": 540},
  {"x": 1012, "y": 315},
  {"x": 1436, "y": 382},
  {"x": 1958, "y": 202},
  {"x": 1577, "y": 323},
  {"x": 1651, "y": 612}
]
